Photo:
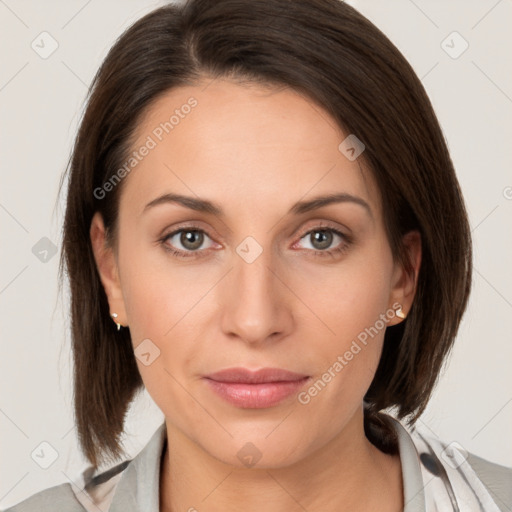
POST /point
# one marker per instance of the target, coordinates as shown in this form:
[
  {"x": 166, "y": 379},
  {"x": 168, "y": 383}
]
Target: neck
[{"x": 348, "y": 473}]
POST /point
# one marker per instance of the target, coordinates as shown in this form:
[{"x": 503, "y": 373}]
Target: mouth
[{"x": 259, "y": 389}]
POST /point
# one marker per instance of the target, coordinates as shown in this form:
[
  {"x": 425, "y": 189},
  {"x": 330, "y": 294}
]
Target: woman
[{"x": 264, "y": 229}]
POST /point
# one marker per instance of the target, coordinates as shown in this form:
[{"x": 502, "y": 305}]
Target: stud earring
[
  {"x": 114, "y": 317},
  {"x": 399, "y": 313}
]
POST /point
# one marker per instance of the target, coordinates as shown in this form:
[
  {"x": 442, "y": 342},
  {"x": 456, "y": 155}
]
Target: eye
[
  {"x": 326, "y": 241},
  {"x": 186, "y": 241}
]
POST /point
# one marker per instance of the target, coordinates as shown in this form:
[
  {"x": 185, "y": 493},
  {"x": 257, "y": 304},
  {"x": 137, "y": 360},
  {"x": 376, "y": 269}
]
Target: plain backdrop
[{"x": 41, "y": 101}]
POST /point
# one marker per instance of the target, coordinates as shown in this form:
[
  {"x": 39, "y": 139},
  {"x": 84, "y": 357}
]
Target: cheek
[
  {"x": 348, "y": 297},
  {"x": 163, "y": 305},
  {"x": 351, "y": 301},
  {"x": 157, "y": 292}
]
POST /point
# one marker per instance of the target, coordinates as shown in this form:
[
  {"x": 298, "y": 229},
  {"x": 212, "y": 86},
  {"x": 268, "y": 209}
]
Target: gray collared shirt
[{"x": 436, "y": 476}]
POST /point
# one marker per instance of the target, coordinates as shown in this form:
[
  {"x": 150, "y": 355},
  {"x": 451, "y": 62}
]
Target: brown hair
[{"x": 329, "y": 52}]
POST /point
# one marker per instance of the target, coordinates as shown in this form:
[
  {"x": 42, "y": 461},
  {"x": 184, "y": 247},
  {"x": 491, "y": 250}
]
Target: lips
[
  {"x": 255, "y": 389},
  {"x": 245, "y": 376}
]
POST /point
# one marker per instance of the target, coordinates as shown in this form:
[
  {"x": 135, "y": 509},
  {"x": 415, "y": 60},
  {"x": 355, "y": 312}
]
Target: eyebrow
[{"x": 203, "y": 205}]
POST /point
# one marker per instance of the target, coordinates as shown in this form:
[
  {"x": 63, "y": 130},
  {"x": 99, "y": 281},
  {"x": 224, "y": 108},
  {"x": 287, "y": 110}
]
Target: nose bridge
[
  {"x": 255, "y": 308},
  {"x": 255, "y": 277}
]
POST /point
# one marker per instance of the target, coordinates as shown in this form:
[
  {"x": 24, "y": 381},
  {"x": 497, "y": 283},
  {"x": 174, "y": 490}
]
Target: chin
[{"x": 258, "y": 451}]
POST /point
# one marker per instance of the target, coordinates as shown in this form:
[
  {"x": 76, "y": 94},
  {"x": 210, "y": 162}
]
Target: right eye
[{"x": 189, "y": 238}]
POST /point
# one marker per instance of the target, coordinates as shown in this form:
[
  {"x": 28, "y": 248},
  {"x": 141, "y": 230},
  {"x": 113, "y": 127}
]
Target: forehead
[{"x": 248, "y": 144}]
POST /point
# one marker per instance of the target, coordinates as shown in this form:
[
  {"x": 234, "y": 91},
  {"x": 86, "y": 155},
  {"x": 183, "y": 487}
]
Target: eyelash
[{"x": 340, "y": 249}]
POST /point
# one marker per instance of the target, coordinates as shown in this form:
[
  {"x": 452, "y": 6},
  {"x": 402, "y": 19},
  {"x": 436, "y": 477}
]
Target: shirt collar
[
  {"x": 414, "y": 495},
  {"x": 138, "y": 489}
]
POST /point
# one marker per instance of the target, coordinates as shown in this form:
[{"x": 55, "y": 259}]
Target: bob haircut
[{"x": 335, "y": 57}]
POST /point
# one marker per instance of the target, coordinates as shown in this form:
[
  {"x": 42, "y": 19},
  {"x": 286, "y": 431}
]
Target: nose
[{"x": 257, "y": 305}]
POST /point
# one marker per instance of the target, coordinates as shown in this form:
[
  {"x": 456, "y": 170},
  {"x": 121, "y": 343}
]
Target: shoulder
[
  {"x": 95, "y": 496},
  {"x": 132, "y": 481},
  {"x": 496, "y": 478},
  {"x": 59, "y": 497},
  {"x": 468, "y": 476}
]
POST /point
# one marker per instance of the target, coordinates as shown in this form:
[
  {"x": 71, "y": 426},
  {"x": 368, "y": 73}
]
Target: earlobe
[
  {"x": 406, "y": 276},
  {"x": 107, "y": 268}
]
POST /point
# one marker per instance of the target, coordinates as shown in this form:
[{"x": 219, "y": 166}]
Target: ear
[
  {"x": 106, "y": 264},
  {"x": 404, "y": 281}
]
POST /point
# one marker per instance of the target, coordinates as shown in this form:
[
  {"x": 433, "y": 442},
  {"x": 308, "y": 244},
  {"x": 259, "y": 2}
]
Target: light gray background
[{"x": 41, "y": 101}]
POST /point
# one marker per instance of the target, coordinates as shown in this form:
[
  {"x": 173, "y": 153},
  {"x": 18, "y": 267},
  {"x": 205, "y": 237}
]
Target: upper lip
[{"x": 244, "y": 375}]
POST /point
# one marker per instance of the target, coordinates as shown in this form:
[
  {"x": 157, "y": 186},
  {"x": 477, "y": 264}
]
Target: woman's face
[{"x": 259, "y": 281}]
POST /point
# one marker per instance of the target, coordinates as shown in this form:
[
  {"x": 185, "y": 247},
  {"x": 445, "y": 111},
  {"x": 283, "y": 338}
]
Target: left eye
[{"x": 322, "y": 239}]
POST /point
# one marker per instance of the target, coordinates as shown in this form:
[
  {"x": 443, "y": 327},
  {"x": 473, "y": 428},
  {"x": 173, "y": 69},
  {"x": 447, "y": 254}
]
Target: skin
[{"x": 256, "y": 151}]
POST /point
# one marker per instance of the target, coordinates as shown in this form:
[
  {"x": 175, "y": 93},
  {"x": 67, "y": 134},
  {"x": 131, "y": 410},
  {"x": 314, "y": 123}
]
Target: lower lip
[{"x": 256, "y": 396}]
